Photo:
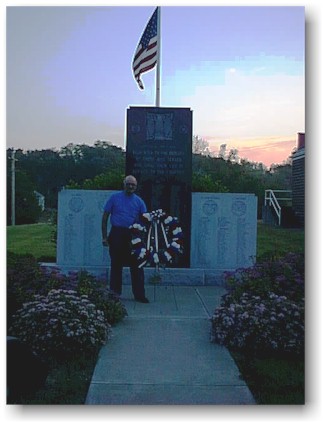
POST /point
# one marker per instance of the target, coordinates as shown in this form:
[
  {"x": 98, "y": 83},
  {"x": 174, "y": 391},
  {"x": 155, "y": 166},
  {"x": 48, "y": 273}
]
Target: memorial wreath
[{"x": 157, "y": 239}]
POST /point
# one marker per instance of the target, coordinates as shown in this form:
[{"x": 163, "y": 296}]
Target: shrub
[
  {"x": 102, "y": 297},
  {"x": 264, "y": 307},
  {"x": 61, "y": 324},
  {"x": 86, "y": 284},
  {"x": 260, "y": 324},
  {"x": 283, "y": 276},
  {"x": 23, "y": 274},
  {"x": 25, "y": 279}
]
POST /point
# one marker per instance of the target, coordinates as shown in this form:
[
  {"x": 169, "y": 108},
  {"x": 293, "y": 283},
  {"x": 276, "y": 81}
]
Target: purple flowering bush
[
  {"x": 25, "y": 279},
  {"x": 105, "y": 300},
  {"x": 283, "y": 276},
  {"x": 260, "y": 324},
  {"x": 60, "y": 324},
  {"x": 58, "y": 315},
  {"x": 264, "y": 308}
]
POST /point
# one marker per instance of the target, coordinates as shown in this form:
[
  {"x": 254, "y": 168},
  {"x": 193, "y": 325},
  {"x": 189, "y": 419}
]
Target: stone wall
[{"x": 223, "y": 234}]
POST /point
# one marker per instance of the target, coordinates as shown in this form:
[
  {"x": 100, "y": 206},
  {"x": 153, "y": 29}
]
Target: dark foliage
[
  {"x": 25, "y": 279},
  {"x": 102, "y": 166}
]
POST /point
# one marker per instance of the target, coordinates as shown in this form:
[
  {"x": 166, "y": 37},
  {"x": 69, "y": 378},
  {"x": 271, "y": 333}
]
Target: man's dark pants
[{"x": 120, "y": 253}]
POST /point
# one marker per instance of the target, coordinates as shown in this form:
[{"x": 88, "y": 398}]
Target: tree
[
  {"x": 200, "y": 146},
  {"x": 205, "y": 183},
  {"x": 27, "y": 209},
  {"x": 109, "y": 180},
  {"x": 222, "y": 151},
  {"x": 51, "y": 170},
  {"x": 233, "y": 155}
]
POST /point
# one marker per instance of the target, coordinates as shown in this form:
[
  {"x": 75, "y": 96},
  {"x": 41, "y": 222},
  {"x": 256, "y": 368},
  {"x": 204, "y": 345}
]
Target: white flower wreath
[{"x": 157, "y": 239}]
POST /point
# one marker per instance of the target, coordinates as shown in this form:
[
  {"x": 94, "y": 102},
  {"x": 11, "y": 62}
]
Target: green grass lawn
[
  {"x": 34, "y": 239},
  {"x": 275, "y": 240},
  {"x": 273, "y": 380}
]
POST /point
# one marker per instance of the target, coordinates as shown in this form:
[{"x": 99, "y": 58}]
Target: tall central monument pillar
[{"x": 159, "y": 155}]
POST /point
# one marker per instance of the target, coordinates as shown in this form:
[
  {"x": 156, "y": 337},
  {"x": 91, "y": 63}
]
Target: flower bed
[
  {"x": 260, "y": 324},
  {"x": 264, "y": 308},
  {"x": 283, "y": 276},
  {"x": 60, "y": 324},
  {"x": 58, "y": 314}
]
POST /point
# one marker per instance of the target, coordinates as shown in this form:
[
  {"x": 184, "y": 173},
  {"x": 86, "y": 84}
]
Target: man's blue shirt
[{"x": 125, "y": 209}]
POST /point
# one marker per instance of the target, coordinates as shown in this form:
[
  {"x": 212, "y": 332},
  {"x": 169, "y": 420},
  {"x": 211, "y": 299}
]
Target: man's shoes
[
  {"x": 142, "y": 300},
  {"x": 115, "y": 295}
]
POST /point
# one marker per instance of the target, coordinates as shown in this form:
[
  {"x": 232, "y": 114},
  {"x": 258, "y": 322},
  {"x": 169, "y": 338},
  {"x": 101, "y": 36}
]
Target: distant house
[
  {"x": 41, "y": 199},
  {"x": 287, "y": 207},
  {"x": 298, "y": 179}
]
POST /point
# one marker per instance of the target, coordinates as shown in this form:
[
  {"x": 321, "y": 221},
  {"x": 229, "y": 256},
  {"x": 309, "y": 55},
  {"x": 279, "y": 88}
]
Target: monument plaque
[
  {"x": 79, "y": 239},
  {"x": 159, "y": 155},
  {"x": 224, "y": 230}
]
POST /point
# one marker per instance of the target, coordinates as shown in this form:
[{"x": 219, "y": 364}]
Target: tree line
[{"x": 102, "y": 166}]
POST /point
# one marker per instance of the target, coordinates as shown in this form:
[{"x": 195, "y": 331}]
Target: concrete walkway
[{"x": 161, "y": 353}]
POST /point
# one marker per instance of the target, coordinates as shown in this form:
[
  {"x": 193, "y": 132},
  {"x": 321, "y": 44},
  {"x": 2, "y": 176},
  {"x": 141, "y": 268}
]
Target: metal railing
[{"x": 273, "y": 198}]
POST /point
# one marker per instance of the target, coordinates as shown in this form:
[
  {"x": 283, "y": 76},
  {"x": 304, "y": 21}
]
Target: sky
[{"x": 241, "y": 70}]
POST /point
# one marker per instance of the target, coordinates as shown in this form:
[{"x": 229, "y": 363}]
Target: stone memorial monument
[
  {"x": 223, "y": 236},
  {"x": 219, "y": 229},
  {"x": 159, "y": 155}
]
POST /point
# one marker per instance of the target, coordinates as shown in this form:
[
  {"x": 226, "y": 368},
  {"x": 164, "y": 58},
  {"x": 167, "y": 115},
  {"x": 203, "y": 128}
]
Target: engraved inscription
[
  {"x": 89, "y": 240},
  {"x": 135, "y": 128},
  {"x": 210, "y": 207},
  {"x": 159, "y": 126},
  {"x": 204, "y": 242},
  {"x": 69, "y": 238},
  {"x": 241, "y": 241},
  {"x": 239, "y": 208},
  {"x": 164, "y": 161},
  {"x": 76, "y": 204},
  {"x": 222, "y": 245},
  {"x": 184, "y": 129}
]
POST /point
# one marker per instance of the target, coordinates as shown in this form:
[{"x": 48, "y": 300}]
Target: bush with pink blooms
[
  {"x": 60, "y": 324},
  {"x": 263, "y": 310}
]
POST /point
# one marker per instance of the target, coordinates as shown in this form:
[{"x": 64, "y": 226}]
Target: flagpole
[{"x": 158, "y": 58}]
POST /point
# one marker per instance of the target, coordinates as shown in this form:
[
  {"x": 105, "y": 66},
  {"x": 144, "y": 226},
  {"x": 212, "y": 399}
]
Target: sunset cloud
[{"x": 267, "y": 150}]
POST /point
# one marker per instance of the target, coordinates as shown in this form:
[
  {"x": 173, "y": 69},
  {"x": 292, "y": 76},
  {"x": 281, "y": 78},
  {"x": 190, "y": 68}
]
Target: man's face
[{"x": 130, "y": 185}]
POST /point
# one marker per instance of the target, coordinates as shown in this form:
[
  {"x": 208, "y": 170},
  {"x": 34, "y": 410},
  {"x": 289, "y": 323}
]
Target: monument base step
[{"x": 165, "y": 276}]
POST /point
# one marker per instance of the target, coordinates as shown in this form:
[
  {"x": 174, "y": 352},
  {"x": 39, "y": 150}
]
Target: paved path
[{"x": 161, "y": 353}]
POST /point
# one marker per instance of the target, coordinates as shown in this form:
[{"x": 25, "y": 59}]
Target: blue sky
[{"x": 240, "y": 69}]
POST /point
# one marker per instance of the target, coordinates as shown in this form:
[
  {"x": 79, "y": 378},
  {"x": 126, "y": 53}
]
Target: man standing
[{"x": 124, "y": 209}]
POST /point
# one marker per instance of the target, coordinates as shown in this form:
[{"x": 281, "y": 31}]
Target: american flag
[{"x": 145, "y": 57}]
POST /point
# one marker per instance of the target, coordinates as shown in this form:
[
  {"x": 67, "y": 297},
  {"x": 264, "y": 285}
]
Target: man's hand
[{"x": 104, "y": 225}]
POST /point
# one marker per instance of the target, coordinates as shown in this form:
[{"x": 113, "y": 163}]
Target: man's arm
[{"x": 104, "y": 228}]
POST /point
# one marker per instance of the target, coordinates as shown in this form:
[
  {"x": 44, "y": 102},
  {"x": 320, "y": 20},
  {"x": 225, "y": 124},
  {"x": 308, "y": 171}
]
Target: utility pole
[{"x": 13, "y": 188}]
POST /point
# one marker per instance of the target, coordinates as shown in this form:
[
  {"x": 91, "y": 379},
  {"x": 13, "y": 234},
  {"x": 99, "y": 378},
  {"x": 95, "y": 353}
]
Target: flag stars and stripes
[{"x": 145, "y": 57}]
